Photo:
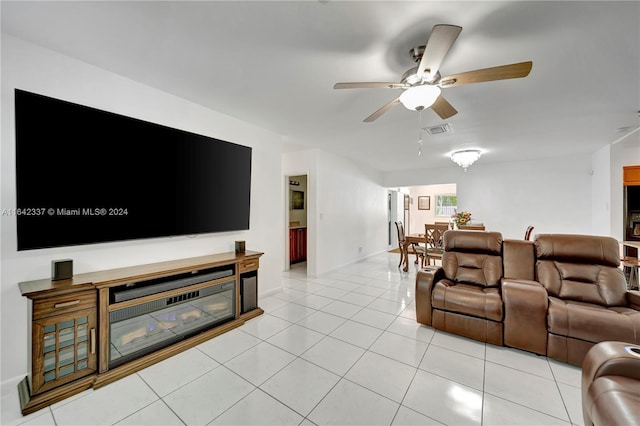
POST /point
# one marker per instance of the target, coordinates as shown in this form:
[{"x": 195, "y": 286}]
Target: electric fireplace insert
[{"x": 147, "y": 316}]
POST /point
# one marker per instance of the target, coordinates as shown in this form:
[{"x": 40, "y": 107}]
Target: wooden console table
[{"x": 70, "y": 340}]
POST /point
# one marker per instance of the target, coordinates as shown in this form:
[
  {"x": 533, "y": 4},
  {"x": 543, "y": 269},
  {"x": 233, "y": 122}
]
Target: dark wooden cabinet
[
  {"x": 297, "y": 245},
  {"x": 631, "y": 175}
]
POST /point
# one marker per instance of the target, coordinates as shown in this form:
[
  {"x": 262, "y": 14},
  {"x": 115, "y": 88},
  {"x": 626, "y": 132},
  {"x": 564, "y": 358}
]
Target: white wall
[
  {"x": 601, "y": 197},
  {"x": 420, "y": 217},
  {"x": 347, "y": 216},
  {"x": 396, "y": 213},
  {"x": 554, "y": 195},
  {"x": 352, "y": 212},
  {"x": 32, "y": 68}
]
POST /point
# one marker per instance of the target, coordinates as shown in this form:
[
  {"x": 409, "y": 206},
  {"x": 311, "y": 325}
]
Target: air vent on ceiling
[{"x": 440, "y": 128}]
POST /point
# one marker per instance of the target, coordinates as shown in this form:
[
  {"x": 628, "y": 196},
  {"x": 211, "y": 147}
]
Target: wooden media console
[{"x": 98, "y": 327}]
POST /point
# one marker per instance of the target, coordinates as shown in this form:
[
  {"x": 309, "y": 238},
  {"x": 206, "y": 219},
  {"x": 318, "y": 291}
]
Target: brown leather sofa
[
  {"x": 579, "y": 298},
  {"x": 611, "y": 384},
  {"x": 556, "y": 296},
  {"x": 463, "y": 296}
]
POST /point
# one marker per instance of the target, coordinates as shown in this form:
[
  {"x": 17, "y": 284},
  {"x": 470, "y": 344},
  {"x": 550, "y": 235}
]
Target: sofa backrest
[
  {"x": 473, "y": 257},
  {"x": 519, "y": 259},
  {"x": 581, "y": 267}
]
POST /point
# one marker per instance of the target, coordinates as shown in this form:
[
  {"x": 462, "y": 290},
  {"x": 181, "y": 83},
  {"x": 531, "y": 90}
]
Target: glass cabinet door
[{"x": 64, "y": 349}]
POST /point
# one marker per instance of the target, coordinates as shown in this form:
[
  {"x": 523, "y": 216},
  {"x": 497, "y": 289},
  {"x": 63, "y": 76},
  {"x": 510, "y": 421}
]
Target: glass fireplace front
[{"x": 143, "y": 328}]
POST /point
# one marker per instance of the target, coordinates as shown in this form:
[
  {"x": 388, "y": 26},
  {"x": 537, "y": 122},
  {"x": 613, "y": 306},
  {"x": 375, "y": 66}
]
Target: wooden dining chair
[
  {"x": 402, "y": 245},
  {"x": 449, "y": 224},
  {"x": 630, "y": 267},
  {"x": 434, "y": 235},
  {"x": 527, "y": 233}
]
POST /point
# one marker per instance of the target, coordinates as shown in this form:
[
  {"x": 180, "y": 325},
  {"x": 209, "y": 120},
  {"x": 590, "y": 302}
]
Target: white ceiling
[{"x": 274, "y": 64}]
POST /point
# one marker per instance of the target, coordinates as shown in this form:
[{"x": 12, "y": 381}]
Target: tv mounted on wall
[{"x": 86, "y": 176}]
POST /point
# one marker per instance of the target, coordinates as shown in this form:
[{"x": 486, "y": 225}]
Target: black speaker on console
[
  {"x": 249, "y": 292},
  {"x": 61, "y": 269}
]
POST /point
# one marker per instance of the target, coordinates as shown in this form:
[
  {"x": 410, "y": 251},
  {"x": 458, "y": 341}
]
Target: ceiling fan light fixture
[
  {"x": 419, "y": 97},
  {"x": 465, "y": 158}
]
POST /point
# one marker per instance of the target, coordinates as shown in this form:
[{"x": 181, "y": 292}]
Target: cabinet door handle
[
  {"x": 93, "y": 341},
  {"x": 65, "y": 304}
]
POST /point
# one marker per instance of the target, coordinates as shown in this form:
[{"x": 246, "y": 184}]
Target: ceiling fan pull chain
[{"x": 419, "y": 133}]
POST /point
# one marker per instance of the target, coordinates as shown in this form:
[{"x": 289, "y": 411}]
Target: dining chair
[
  {"x": 434, "y": 235},
  {"x": 630, "y": 267},
  {"x": 419, "y": 251},
  {"x": 449, "y": 224},
  {"x": 527, "y": 234}
]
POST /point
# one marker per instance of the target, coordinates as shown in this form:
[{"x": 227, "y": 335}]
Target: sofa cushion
[
  {"x": 519, "y": 259},
  {"x": 473, "y": 242},
  {"x": 481, "y": 302},
  {"x": 473, "y": 257},
  {"x": 473, "y": 268},
  {"x": 578, "y": 249},
  {"x": 591, "y": 283},
  {"x": 591, "y": 322}
]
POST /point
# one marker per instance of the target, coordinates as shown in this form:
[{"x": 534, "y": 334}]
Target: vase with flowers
[{"x": 462, "y": 218}]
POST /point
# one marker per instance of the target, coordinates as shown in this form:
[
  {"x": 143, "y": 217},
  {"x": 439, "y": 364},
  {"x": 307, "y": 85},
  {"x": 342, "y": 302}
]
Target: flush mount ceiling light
[
  {"x": 418, "y": 98},
  {"x": 465, "y": 158}
]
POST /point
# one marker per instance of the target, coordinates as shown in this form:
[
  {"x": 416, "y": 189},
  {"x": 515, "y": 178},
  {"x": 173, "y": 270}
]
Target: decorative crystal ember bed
[{"x": 148, "y": 325}]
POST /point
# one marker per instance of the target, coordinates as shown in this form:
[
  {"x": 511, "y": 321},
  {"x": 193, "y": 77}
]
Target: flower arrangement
[{"x": 462, "y": 218}]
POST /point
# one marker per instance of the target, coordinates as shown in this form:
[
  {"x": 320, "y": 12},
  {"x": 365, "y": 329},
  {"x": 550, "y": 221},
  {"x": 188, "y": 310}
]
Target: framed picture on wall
[
  {"x": 424, "y": 203},
  {"x": 297, "y": 200}
]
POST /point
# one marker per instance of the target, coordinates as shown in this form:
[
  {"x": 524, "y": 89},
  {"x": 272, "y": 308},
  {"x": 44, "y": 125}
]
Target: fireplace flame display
[{"x": 140, "y": 329}]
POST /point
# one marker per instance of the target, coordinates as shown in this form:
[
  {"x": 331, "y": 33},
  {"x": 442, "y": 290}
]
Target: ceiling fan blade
[
  {"x": 443, "y": 108},
  {"x": 386, "y": 107},
  {"x": 370, "y": 85},
  {"x": 440, "y": 41},
  {"x": 502, "y": 72}
]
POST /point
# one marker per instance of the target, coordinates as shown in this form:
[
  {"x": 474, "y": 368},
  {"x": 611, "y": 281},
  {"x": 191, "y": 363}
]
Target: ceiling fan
[{"x": 422, "y": 84}]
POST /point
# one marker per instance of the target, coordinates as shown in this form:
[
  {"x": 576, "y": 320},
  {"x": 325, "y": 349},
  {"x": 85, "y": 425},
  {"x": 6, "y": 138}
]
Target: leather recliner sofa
[
  {"x": 611, "y": 385},
  {"x": 463, "y": 296},
  {"x": 579, "y": 297},
  {"x": 556, "y": 296}
]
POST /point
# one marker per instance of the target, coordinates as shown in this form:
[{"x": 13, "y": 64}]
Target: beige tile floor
[{"x": 340, "y": 349}]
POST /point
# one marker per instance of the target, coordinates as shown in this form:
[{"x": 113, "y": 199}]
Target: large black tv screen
[{"x": 89, "y": 176}]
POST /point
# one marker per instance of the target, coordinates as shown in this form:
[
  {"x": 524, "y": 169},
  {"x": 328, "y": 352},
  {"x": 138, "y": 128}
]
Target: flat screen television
[{"x": 87, "y": 176}]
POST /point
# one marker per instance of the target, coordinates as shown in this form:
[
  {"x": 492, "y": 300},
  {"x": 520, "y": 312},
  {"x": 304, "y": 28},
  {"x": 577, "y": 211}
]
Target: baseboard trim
[{"x": 10, "y": 385}]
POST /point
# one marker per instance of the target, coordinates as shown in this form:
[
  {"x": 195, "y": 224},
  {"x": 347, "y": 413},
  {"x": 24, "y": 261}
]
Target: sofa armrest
[
  {"x": 425, "y": 279},
  {"x": 610, "y": 359},
  {"x": 606, "y": 359},
  {"x": 633, "y": 299},
  {"x": 525, "y": 315}
]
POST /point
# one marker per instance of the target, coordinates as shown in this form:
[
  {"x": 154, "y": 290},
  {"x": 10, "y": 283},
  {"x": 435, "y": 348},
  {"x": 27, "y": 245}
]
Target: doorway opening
[
  {"x": 298, "y": 201},
  {"x": 415, "y": 206}
]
